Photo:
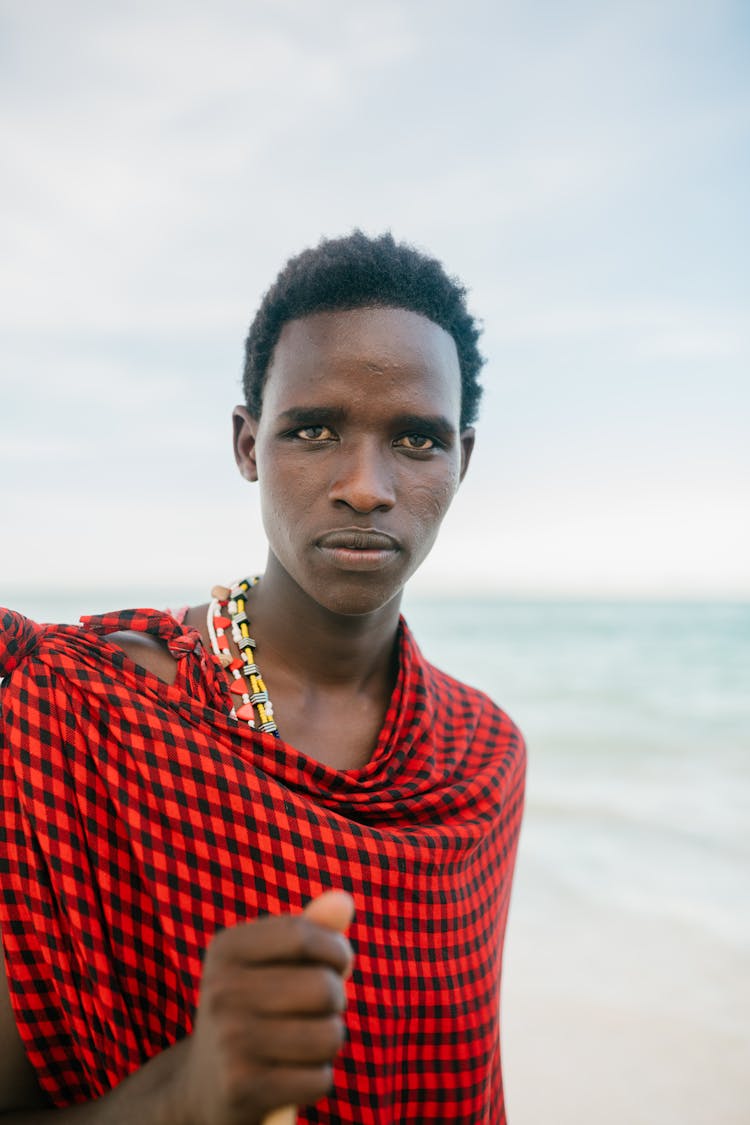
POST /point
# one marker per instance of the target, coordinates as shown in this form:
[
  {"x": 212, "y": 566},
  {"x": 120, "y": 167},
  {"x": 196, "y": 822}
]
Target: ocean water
[{"x": 628, "y": 953}]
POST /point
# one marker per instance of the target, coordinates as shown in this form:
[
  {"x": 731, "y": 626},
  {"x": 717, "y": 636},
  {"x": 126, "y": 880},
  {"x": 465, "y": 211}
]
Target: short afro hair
[{"x": 359, "y": 272}]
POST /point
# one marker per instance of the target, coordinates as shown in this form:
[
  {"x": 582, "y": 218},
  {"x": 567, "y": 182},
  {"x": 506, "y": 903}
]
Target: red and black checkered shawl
[{"x": 139, "y": 817}]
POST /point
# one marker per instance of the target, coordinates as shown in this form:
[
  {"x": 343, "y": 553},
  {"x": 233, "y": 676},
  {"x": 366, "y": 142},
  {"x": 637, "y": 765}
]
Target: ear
[
  {"x": 467, "y": 445},
  {"x": 245, "y": 428}
]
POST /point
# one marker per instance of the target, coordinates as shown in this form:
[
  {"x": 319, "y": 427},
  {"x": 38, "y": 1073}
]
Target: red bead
[
  {"x": 222, "y": 622},
  {"x": 222, "y": 643},
  {"x": 245, "y": 712},
  {"x": 239, "y": 687},
  {"x": 236, "y": 664}
]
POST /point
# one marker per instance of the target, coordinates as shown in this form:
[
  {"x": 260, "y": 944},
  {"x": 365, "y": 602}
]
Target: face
[{"x": 357, "y": 451}]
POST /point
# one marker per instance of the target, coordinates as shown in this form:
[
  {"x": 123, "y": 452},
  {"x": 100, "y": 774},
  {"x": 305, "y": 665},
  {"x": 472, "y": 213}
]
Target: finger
[
  {"x": 292, "y": 1085},
  {"x": 296, "y": 1042},
  {"x": 282, "y": 938},
  {"x": 335, "y": 910},
  {"x": 278, "y": 990}
]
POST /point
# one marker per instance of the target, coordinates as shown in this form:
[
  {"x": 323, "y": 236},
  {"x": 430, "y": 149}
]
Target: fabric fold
[{"x": 18, "y": 637}]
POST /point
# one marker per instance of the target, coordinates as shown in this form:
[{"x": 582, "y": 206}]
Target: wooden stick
[{"x": 286, "y": 1115}]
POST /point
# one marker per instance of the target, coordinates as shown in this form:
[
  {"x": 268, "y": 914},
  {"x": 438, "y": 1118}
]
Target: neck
[{"x": 324, "y": 647}]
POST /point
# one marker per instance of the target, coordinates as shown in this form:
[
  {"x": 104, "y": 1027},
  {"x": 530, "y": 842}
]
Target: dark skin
[
  {"x": 344, "y": 717},
  {"x": 358, "y": 454}
]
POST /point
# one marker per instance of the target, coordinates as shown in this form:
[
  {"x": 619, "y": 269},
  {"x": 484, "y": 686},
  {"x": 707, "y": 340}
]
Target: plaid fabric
[{"x": 138, "y": 818}]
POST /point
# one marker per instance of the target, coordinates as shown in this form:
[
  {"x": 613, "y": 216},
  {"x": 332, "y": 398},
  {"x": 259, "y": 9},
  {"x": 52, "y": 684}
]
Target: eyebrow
[
  {"x": 317, "y": 415},
  {"x": 310, "y": 415},
  {"x": 437, "y": 423}
]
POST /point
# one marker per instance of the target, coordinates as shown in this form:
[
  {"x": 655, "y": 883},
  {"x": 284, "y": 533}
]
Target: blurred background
[{"x": 584, "y": 169}]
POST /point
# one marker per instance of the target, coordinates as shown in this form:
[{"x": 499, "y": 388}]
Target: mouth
[
  {"x": 358, "y": 549},
  {"x": 358, "y": 539}
]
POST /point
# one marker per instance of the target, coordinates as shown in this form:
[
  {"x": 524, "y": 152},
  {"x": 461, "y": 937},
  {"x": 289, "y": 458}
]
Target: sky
[{"x": 583, "y": 168}]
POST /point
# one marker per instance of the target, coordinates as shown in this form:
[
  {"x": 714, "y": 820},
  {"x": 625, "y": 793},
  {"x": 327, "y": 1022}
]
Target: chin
[
  {"x": 345, "y": 599},
  {"x": 359, "y": 607}
]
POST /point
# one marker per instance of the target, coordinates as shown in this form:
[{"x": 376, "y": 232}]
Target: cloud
[
  {"x": 580, "y": 167},
  {"x": 129, "y": 122},
  {"x": 654, "y": 328}
]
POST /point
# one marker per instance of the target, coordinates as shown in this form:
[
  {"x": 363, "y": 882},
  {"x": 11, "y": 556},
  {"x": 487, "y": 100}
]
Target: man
[{"x": 166, "y": 824}]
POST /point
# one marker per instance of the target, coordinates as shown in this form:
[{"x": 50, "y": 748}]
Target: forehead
[{"x": 365, "y": 351}]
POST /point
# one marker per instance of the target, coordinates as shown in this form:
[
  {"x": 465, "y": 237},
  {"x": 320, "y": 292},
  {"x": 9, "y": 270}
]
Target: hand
[{"x": 269, "y": 1021}]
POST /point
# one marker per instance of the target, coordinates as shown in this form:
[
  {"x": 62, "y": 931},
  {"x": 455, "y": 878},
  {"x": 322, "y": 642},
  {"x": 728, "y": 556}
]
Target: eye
[
  {"x": 314, "y": 433},
  {"x": 417, "y": 442}
]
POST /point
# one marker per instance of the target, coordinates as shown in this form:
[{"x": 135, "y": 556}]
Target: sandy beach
[{"x": 614, "y": 1015}]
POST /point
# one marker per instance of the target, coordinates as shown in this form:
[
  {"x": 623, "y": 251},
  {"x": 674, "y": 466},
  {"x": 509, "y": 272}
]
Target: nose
[{"x": 363, "y": 478}]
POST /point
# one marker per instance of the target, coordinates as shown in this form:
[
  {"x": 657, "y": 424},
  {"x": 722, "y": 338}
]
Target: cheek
[
  {"x": 430, "y": 502},
  {"x": 279, "y": 510}
]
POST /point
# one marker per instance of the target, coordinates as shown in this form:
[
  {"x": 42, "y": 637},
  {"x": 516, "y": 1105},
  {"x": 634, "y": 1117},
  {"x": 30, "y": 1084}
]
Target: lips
[{"x": 357, "y": 539}]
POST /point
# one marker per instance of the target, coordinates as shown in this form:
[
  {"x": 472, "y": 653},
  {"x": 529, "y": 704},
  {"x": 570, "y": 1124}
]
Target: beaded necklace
[{"x": 228, "y": 611}]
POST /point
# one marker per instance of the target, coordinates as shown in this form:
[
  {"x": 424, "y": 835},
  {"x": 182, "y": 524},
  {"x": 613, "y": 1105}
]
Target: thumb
[{"x": 332, "y": 909}]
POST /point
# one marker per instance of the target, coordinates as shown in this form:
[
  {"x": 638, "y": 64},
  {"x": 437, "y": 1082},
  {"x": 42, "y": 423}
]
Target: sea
[{"x": 628, "y": 947}]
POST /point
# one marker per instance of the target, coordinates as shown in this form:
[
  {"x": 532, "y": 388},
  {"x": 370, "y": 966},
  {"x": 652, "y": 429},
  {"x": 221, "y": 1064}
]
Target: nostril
[{"x": 364, "y": 488}]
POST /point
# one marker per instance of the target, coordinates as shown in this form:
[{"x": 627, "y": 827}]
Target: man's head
[{"x": 360, "y": 272}]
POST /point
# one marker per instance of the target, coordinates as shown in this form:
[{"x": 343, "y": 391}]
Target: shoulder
[
  {"x": 463, "y": 695},
  {"x": 452, "y": 700},
  {"x": 461, "y": 710},
  {"x": 148, "y": 652},
  {"x": 150, "y": 639},
  {"x": 151, "y": 644}
]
